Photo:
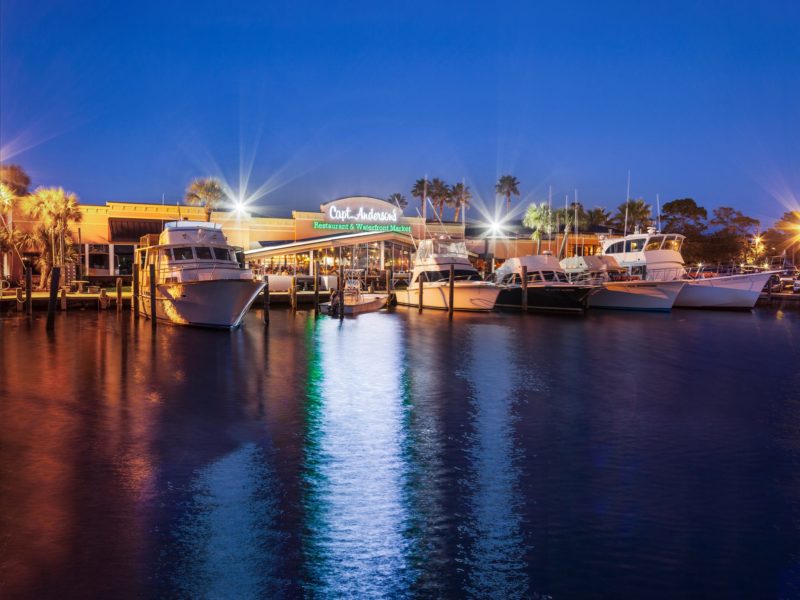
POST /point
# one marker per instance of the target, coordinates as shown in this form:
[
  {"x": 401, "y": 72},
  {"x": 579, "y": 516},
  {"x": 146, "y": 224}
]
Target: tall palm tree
[
  {"x": 440, "y": 194},
  {"x": 398, "y": 200},
  {"x": 640, "y": 214},
  {"x": 507, "y": 186},
  {"x": 54, "y": 209},
  {"x": 598, "y": 217},
  {"x": 205, "y": 192},
  {"x": 538, "y": 218},
  {"x": 420, "y": 191},
  {"x": 10, "y": 238},
  {"x": 461, "y": 196}
]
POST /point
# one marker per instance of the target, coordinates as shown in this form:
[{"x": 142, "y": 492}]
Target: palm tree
[
  {"x": 420, "y": 191},
  {"x": 507, "y": 186},
  {"x": 10, "y": 238},
  {"x": 537, "y": 217},
  {"x": 440, "y": 193},
  {"x": 205, "y": 192},
  {"x": 598, "y": 217},
  {"x": 640, "y": 214},
  {"x": 461, "y": 197},
  {"x": 54, "y": 209},
  {"x": 15, "y": 178},
  {"x": 398, "y": 200}
]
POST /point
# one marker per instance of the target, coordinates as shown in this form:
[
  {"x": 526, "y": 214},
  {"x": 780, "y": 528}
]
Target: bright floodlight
[
  {"x": 495, "y": 228},
  {"x": 239, "y": 206}
]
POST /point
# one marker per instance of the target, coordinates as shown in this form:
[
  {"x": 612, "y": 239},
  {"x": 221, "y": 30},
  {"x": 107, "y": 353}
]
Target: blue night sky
[{"x": 131, "y": 100}]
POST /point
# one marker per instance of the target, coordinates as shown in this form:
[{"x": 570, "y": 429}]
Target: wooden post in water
[
  {"x": 293, "y": 294},
  {"x": 63, "y": 299},
  {"x": 524, "y": 288},
  {"x": 452, "y": 290},
  {"x": 265, "y": 301},
  {"x": 119, "y": 294},
  {"x": 135, "y": 292},
  {"x": 153, "y": 296},
  {"x": 340, "y": 295},
  {"x": 421, "y": 289},
  {"x": 51, "y": 305},
  {"x": 316, "y": 287},
  {"x": 29, "y": 289}
]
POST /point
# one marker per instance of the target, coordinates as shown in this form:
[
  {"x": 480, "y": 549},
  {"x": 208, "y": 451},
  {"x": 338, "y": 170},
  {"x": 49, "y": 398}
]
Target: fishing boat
[
  {"x": 548, "y": 287},
  {"x": 354, "y": 301},
  {"x": 198, "y": 280},
  {"x": 656, "y": 256},
  {"x": 619, "y": 289},
  {"x": 431, "y": 274}
]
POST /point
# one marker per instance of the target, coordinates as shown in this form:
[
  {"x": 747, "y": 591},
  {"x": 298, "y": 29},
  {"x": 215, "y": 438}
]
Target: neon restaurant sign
[{"x": 361, "y": 213}]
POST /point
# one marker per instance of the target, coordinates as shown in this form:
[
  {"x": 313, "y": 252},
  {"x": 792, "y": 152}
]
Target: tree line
[{"x": 727, "y": 235}]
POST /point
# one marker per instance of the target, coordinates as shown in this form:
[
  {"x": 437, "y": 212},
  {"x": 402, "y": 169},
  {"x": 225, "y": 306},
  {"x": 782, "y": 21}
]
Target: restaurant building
[{"x": 357, "y": 231}]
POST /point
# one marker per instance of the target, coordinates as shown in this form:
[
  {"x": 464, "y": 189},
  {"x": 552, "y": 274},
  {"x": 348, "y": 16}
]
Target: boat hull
[
  {"x": 637, "y": 295},
  {"x": 369, "y": 303},
  {"x": 547, "y": 298},
  {"x": 467, "y": 296},
  {"x": 219, "y": 303},
  {"x": 737, "y": 292}
]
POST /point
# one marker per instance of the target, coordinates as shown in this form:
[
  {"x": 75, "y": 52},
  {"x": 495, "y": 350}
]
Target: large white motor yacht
[
  {"x": 198, "y": 280},
  {"x": 432, "y": 266},
  {"x": 657, "y": 257},
  {"x": 620, "y": 290}
]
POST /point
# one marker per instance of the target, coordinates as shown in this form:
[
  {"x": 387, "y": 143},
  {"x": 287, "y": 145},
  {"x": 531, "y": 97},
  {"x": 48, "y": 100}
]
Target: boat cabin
[
  {"x": 189, "y": 251},
  {"x": 541, "y": 269}
]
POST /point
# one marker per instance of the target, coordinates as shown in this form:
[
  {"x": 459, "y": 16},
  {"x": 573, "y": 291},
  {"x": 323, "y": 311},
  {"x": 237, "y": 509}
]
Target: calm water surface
[{"x": 401, "y": 455}]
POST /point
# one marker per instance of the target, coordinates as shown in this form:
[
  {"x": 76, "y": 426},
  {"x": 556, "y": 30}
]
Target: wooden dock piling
[
  {"x": 452, "y": 290},
  {"x": 119, "y": 294},
  {"x": 265, "y": 301},
  {"x": 51, "y": 305},
  {"x": 524, "y": 288},
  {"x": 63, "y": 299},
  {"x": 421, "y": 290},
  {"x": 316, "y": 288},
  {"x": 29, "y": 289},
  {"x": 135, "y": 292},
  {"x": 153, "y": 296}
]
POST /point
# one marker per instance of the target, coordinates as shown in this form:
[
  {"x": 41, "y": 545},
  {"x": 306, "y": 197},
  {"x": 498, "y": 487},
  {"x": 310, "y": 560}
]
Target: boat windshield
[
  {"x": 635, "y": 245},
  {"x": 429, "y": 248},
  {"x": 673, "y": 242},
  {"x": 654, "y": 243}
]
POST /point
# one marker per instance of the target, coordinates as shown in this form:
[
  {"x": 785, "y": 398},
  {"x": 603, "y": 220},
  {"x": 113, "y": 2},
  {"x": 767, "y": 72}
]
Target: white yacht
[
  {"x": 432, "y": 267},
  {"x": 620, "y": 290},
  {"x": 657, "y": 257},
  {"x": 197, "y": 278}
]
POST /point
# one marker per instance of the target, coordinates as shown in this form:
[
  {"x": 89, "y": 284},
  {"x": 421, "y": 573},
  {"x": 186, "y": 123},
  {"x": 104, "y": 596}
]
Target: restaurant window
[
  {"x": 203, "y": 253},
  {"x": 183, "y": 253}
]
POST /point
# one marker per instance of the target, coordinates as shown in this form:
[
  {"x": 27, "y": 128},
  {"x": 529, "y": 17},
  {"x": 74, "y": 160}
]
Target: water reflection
[
  {"x": 494, "y": 546},
  {"x": 355, "y": 540},
  {"x": 227, "y": 544}
]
